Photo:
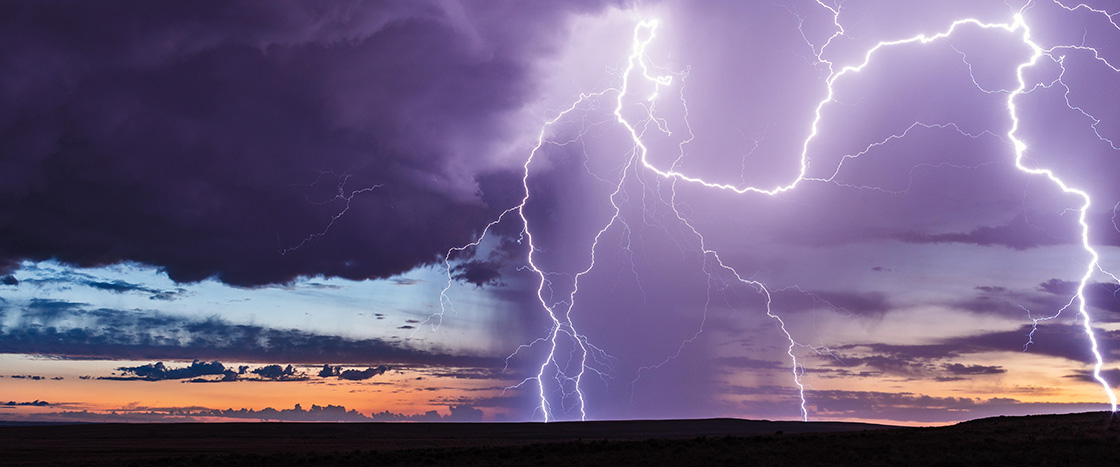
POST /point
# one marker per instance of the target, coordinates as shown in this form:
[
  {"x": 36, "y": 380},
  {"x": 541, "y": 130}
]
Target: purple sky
[{"x": 279, "y": 183}]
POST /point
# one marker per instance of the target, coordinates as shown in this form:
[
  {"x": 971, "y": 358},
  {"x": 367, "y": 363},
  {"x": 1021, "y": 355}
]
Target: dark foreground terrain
[{"x": 1051, "y": 440}]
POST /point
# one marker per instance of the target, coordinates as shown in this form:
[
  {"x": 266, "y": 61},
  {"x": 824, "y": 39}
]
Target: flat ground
[{"x": 1075, "y": 439}]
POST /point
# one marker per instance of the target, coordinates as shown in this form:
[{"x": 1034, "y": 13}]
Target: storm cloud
[{"x": 208, "y": 138}]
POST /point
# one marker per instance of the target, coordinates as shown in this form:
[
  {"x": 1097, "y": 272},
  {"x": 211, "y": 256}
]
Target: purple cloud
[{"x": 207, "y": 138}]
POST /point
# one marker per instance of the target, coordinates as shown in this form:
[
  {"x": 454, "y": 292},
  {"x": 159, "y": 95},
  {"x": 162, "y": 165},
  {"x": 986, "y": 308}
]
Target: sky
[{"x": 892, "y": 211}]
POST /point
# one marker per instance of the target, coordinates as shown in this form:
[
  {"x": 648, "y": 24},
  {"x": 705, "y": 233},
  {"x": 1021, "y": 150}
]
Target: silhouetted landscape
[{"x": 1073, "y": 439}]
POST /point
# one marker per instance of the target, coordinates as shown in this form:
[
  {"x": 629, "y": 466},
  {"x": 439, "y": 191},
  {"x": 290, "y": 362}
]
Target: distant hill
[{"x": 1074, "y": 439}]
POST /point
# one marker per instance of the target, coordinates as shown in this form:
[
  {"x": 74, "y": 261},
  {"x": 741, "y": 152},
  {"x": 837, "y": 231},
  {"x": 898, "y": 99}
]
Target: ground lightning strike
[{"x": 638, "y": 67}]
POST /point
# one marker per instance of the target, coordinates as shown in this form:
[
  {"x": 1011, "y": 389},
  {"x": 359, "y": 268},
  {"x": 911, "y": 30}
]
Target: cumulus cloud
[
  {"x": 35, "y": 403},
  {"x": 275, "y": 372},
  {"x": 361, "y": 375},
  {"x": 158, "y": 371}
]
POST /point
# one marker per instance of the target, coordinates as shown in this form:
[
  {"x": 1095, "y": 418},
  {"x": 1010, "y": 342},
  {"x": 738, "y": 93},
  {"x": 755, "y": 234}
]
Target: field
[{"x": 1051, "y": 440}]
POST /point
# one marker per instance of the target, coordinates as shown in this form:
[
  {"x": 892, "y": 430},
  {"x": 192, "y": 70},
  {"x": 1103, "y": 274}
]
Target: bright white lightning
[
  {"x": 1018, "y": 25},
  {"x": 559, "y": 325},
  {"x": 1020, "y": 151},
  {"x": 560, "y": 313},
  {"x": 637, "y": 59}
]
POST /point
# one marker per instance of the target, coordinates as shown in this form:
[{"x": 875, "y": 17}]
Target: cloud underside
[{"x": 224, "y": 139}]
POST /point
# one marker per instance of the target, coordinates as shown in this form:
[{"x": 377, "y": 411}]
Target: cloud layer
[{"x": 209, "y": 138}]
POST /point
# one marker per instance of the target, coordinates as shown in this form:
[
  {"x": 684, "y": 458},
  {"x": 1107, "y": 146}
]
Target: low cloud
[
  {"x": 159, "y": 372},
  {"x": 1017, "y": 234},
  {"x": 478, "y": 272},
  {"x": 67, "y": 277},
  {"x": 909, "y": 362},
  {"x": 329, "y": 371},
  {"x": 1052, "y": 339},
  {"x": 1110, "y": 375},
  {"x": 921, "y": 408},
  {"x": 316, "y": 413},
  {"x": 970, "y": 370},
  {"x": 44, "y": 327},
  {"x": 361, "y": 375},
  {"x": 35, "y": 403},
  {"x": 277, "y": 372}
]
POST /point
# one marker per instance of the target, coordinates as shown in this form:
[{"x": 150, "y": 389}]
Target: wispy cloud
[{"x": 75, "y": 330}]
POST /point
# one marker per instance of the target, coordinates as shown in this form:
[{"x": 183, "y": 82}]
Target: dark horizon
[{"x": 1082, "y": 439}]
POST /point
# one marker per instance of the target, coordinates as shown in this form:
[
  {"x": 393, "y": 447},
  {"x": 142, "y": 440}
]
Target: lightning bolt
[
  {"x": 638, "y": 67},
  {"x": 340, "y": 195}
]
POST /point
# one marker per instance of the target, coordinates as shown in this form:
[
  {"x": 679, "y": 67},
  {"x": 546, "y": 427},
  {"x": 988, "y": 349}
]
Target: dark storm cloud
[
  {"x": 44, "y": 328},
  {"x": 206, "y": 137}
]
